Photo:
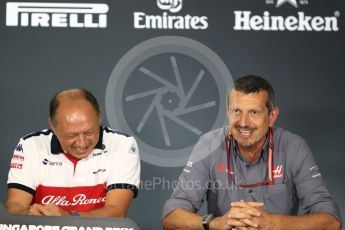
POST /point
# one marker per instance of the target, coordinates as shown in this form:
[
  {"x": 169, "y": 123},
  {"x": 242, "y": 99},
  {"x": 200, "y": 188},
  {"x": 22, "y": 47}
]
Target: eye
[
  {"x": 91, "y": 132},
  {"x": 70, "y": 136},
  {"x": 254, "y": 113},
  {"x": 235, "y": 111}
]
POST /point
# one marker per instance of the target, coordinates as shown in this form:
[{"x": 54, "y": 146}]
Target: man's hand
[
  {"x": 47, "y": 210},
  {"x": 266, "y": 220},
  {"x": 263, "y": 221},
  {"x": 238, "y": 217},
  {"x": 270, "y": 221}
]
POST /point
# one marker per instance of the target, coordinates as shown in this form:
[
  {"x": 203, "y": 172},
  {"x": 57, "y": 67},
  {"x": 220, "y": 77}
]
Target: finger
[
  {"x": 240, "y": 228},
  {"x": 242, "y": 201},
  {"x": 34, "y": 210},
  {"x": 255, "y": 204},
  {"x": 239, "y": 215},
  {"x": 236, "y": 223},
  {"x": 52, "y": 207},
  {"x": 55, "y": 210},
  {"x": 42, "y": 210},
  {"x": 252, "y": 212},
  {"x": 249, "y": 223},
  {"x": 243, "y": 204},
  {"x": 244, "y": 228}
]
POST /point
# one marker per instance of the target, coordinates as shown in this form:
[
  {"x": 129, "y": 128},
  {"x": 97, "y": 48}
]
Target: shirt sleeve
[
  {"x": 311, "y": 188},
  {"x": 192, "y": 184},
  {"x": 125, "y": 166},
  {"x": 21, "y": 173}
]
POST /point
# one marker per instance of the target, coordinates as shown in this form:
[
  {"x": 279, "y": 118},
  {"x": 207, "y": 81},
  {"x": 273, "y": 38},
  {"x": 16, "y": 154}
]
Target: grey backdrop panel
[{"x": 306, "y": 69}]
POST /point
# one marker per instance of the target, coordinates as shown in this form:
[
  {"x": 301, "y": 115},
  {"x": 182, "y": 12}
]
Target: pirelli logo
[{"x": 40, "y": 14}]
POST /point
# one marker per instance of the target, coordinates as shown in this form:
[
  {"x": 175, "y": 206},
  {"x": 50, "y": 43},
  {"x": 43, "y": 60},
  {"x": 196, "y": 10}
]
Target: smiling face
[
  {"x": 76, "y": 126},
  {"x": 249, "y": 118}
]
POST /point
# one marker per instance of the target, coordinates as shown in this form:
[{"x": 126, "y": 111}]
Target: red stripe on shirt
[{"x": 83, "y": 198}]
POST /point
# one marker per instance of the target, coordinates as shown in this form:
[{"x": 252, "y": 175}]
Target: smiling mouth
[
  {"x": 81, "y": 150},
  {"x": 245, "y": 132}
]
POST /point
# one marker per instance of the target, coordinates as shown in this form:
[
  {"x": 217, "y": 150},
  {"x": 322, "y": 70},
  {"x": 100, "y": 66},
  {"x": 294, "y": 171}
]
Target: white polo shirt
[{"x": 40, "y": 167}]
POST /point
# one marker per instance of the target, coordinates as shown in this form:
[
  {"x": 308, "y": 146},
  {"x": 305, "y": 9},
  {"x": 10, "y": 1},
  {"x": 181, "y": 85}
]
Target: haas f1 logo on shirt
[{"x": 277, "y": 171}]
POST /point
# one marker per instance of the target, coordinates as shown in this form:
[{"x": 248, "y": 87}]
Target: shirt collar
[{"x": 55, "y": 146}]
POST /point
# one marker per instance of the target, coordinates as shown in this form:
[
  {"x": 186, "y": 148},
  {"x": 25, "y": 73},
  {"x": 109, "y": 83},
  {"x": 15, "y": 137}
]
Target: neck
[{"x": 252, "y": 153}]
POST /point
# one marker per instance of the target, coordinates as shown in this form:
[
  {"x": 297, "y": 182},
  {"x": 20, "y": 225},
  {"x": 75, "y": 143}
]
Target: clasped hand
[
  {"x": 47, "y": 210},
  {"x": 244, "y": 216}
]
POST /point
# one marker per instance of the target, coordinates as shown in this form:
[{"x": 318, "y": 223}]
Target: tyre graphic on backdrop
[{"x": 167, "y": 92}]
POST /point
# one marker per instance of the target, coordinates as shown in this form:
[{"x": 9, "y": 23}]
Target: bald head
[{"x": 72, "y": 95}]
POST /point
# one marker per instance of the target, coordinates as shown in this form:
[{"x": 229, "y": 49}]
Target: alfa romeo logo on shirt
[{"x": 167, "y": 92}]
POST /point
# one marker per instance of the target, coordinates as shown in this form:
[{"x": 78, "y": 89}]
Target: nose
[
  {"x": 81, "y": 140},
  {"x": 244, "y": 120}
]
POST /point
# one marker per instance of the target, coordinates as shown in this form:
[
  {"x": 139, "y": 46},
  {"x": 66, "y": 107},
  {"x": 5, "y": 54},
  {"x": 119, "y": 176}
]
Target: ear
[
  {"x": 50, "y": 122},
  {"x": 273, "y": 115}
]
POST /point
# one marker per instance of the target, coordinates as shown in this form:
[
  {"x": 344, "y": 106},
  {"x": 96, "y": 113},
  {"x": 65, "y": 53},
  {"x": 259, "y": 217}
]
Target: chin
[
  {"x": 245, "y": 143},
  {"x": 80, "y": 156}
]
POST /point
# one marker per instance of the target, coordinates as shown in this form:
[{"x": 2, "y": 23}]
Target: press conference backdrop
[{"x": 160, "y": 70}]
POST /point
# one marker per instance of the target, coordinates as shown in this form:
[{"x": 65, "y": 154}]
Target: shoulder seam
[
  {"x": 46, "y": 133},
  {"x": 108, "y": 130}
]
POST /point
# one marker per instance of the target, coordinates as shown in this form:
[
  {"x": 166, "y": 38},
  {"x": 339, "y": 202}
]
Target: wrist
[
  {"x": 214, "y": 223},
  {"x": 206, "y": 221},
  {"x": 276, "y": 221},
  {"x": 74, "y": 213}
]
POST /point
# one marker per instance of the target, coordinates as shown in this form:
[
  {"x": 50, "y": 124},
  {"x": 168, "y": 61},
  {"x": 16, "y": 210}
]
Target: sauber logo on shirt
[{"x": 278, "y": 171}]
